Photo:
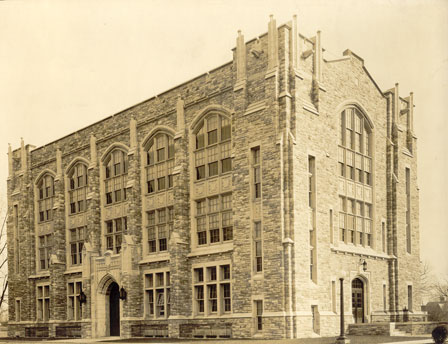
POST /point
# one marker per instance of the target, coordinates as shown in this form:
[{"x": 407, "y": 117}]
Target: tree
[{"x": 426, "y": 281}]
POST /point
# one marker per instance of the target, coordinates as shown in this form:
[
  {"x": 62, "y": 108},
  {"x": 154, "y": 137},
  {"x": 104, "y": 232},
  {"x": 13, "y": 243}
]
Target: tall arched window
[
  {"x": 77, "y": 190},
  {"x": 355, "y": 166},
  {"x": 116, "y": 172},
  {"x": 45, "y": 188},
  {"x": 159, "y": 163},
  {"x": 213, "y": 146}
]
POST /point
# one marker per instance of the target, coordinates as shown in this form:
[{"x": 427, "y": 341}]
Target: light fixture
[
  {"x": 123, "y": 294},
  {"x": 364, "y": 264}
]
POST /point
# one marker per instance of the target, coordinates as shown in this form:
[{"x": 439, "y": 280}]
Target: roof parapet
[{"x": 348, "y": 52}]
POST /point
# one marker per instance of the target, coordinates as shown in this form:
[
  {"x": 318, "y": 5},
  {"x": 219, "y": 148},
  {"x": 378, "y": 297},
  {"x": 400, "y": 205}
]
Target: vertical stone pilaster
[
  {"x": 180, "y": 112},
  {"x": 133, "y": 133},
  {"x": 294, "y": 44},
  {"x": 23, "y": 156},
  {"x": 179, "y": 244},
  {"x": 410, "y": 119},
  {"x": 318, "y": 58},
  {"x": 58, "y": 289},
  {"x": 272, "y": 45},
  {"x": 10, "y": 165},
  {"x": 240, "y": 62}
]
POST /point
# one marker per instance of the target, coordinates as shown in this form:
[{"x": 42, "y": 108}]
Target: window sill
[
  {"x": 78, "y": 213},
  {"x": 358, "y": 250},
  {"x": 213, "y": 177},
  {"x": 41, "y": 274},
  {"x": 155, "y": 257},
  {"x": 43, "y": 222},
  {"x": 73, "y": 270},
  {"x": 211, "y": 249},
  {"x": 147, "y": 194},
  {"x": 112, "y": 204},
  {"x": 258, "y": 276},
  {"x": 213, "y": 316}
]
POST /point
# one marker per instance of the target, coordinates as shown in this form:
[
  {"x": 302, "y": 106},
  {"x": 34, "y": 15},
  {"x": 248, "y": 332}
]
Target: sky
[{"x": 67, "y": 64}]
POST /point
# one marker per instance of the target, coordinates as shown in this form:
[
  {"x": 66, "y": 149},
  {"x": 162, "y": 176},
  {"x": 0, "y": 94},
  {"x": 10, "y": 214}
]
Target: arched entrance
[
  {"x": 358, "y": 300},
  {"x": 114, "y": 309}
]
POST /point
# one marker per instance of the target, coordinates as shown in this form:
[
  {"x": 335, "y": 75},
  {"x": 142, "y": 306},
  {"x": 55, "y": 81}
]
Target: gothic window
[
  {"x": 212, "y": 147},
  {"x": 355, "y": 166},
  {"x": 116, "y": 171},
  {"x": 45, "y": 198},
  {"x": 77, "y": 188},
  {"x": 159, "y": 163}
]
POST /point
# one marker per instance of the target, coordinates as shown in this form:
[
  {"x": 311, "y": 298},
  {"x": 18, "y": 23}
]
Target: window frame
[
  {"x": 222, "y": 215},
  {"x": 79, "y": 244},
  {"x": 116, "y": 168},
  {"x": 216, "y": 281},
  {"x": 212, "y": 158},
  {"x": 258, "y": 242},
  {"x": 255, "y": 156},
  {"x": 152, "y": 309},
  {"x": 77, "y": 192},
  {"x": 45, "y": 198},
  {"x": 77, "y": 310},
  {"x": 159, "y": 170},
  {"x": 43, "y": 312},
  {"x": 115, "y": 234},
  {"x": 45, "y": 249},
  {"x": 355, "y": 165},
  {"x": 156, "y": 238}
]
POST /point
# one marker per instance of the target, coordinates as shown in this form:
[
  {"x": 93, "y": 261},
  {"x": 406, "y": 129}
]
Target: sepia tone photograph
[{"x": 223, "y": 171}]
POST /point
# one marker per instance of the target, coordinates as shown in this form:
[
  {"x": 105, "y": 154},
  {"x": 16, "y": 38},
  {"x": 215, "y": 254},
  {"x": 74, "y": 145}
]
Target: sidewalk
[{"x": 325, "y": 340}]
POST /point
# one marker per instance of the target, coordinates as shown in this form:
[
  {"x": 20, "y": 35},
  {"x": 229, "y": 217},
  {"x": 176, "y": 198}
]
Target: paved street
[{"x": 354, "y": 340}]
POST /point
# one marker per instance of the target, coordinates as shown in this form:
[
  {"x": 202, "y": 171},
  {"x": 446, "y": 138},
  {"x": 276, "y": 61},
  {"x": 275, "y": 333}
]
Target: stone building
[{"x": 228, "y": 206}]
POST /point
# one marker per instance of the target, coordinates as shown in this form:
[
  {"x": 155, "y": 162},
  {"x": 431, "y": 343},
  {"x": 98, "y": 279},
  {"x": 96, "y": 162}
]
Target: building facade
[{"x": 228, "y": 206}]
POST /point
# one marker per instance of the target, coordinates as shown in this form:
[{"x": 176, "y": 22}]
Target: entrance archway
[
  {"x": 114, "y": 309},
  {"x": 358, "y": 300}
]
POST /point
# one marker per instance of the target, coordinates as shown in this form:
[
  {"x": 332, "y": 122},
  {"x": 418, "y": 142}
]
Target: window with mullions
[
  {"x": 114, "y": 233},
  {"x": 355, "y": 147},
  {"x": 159, "y": 163},
  {"x": 157, "y": 294},
  {"x": 213, "y": 147},
  {"x": 355, "y": 165},
  {"x": 214, "y": 222},
  {"x": 116, "y": 176},
  {"x": 76, "y": 244},
  {"x": 77, "y": 188},
  {"x": 43, "y": 302},
  {"x": 355, "y": 221},
  {"x": 258, "y": 248},
  {"x": 212, "y": 290},
  {"x": 45, "y": 243},
  {"x": 255, "y": 152},
  {"x": 45, "y": 189},
  {"x": 160, "y": 225},
  {"x": 74, "y": 305}
]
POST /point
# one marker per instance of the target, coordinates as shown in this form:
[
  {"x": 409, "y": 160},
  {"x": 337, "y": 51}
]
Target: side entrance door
[
  {"x": 114, "y": 303},
  {"x": 358, "y": 300}
]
